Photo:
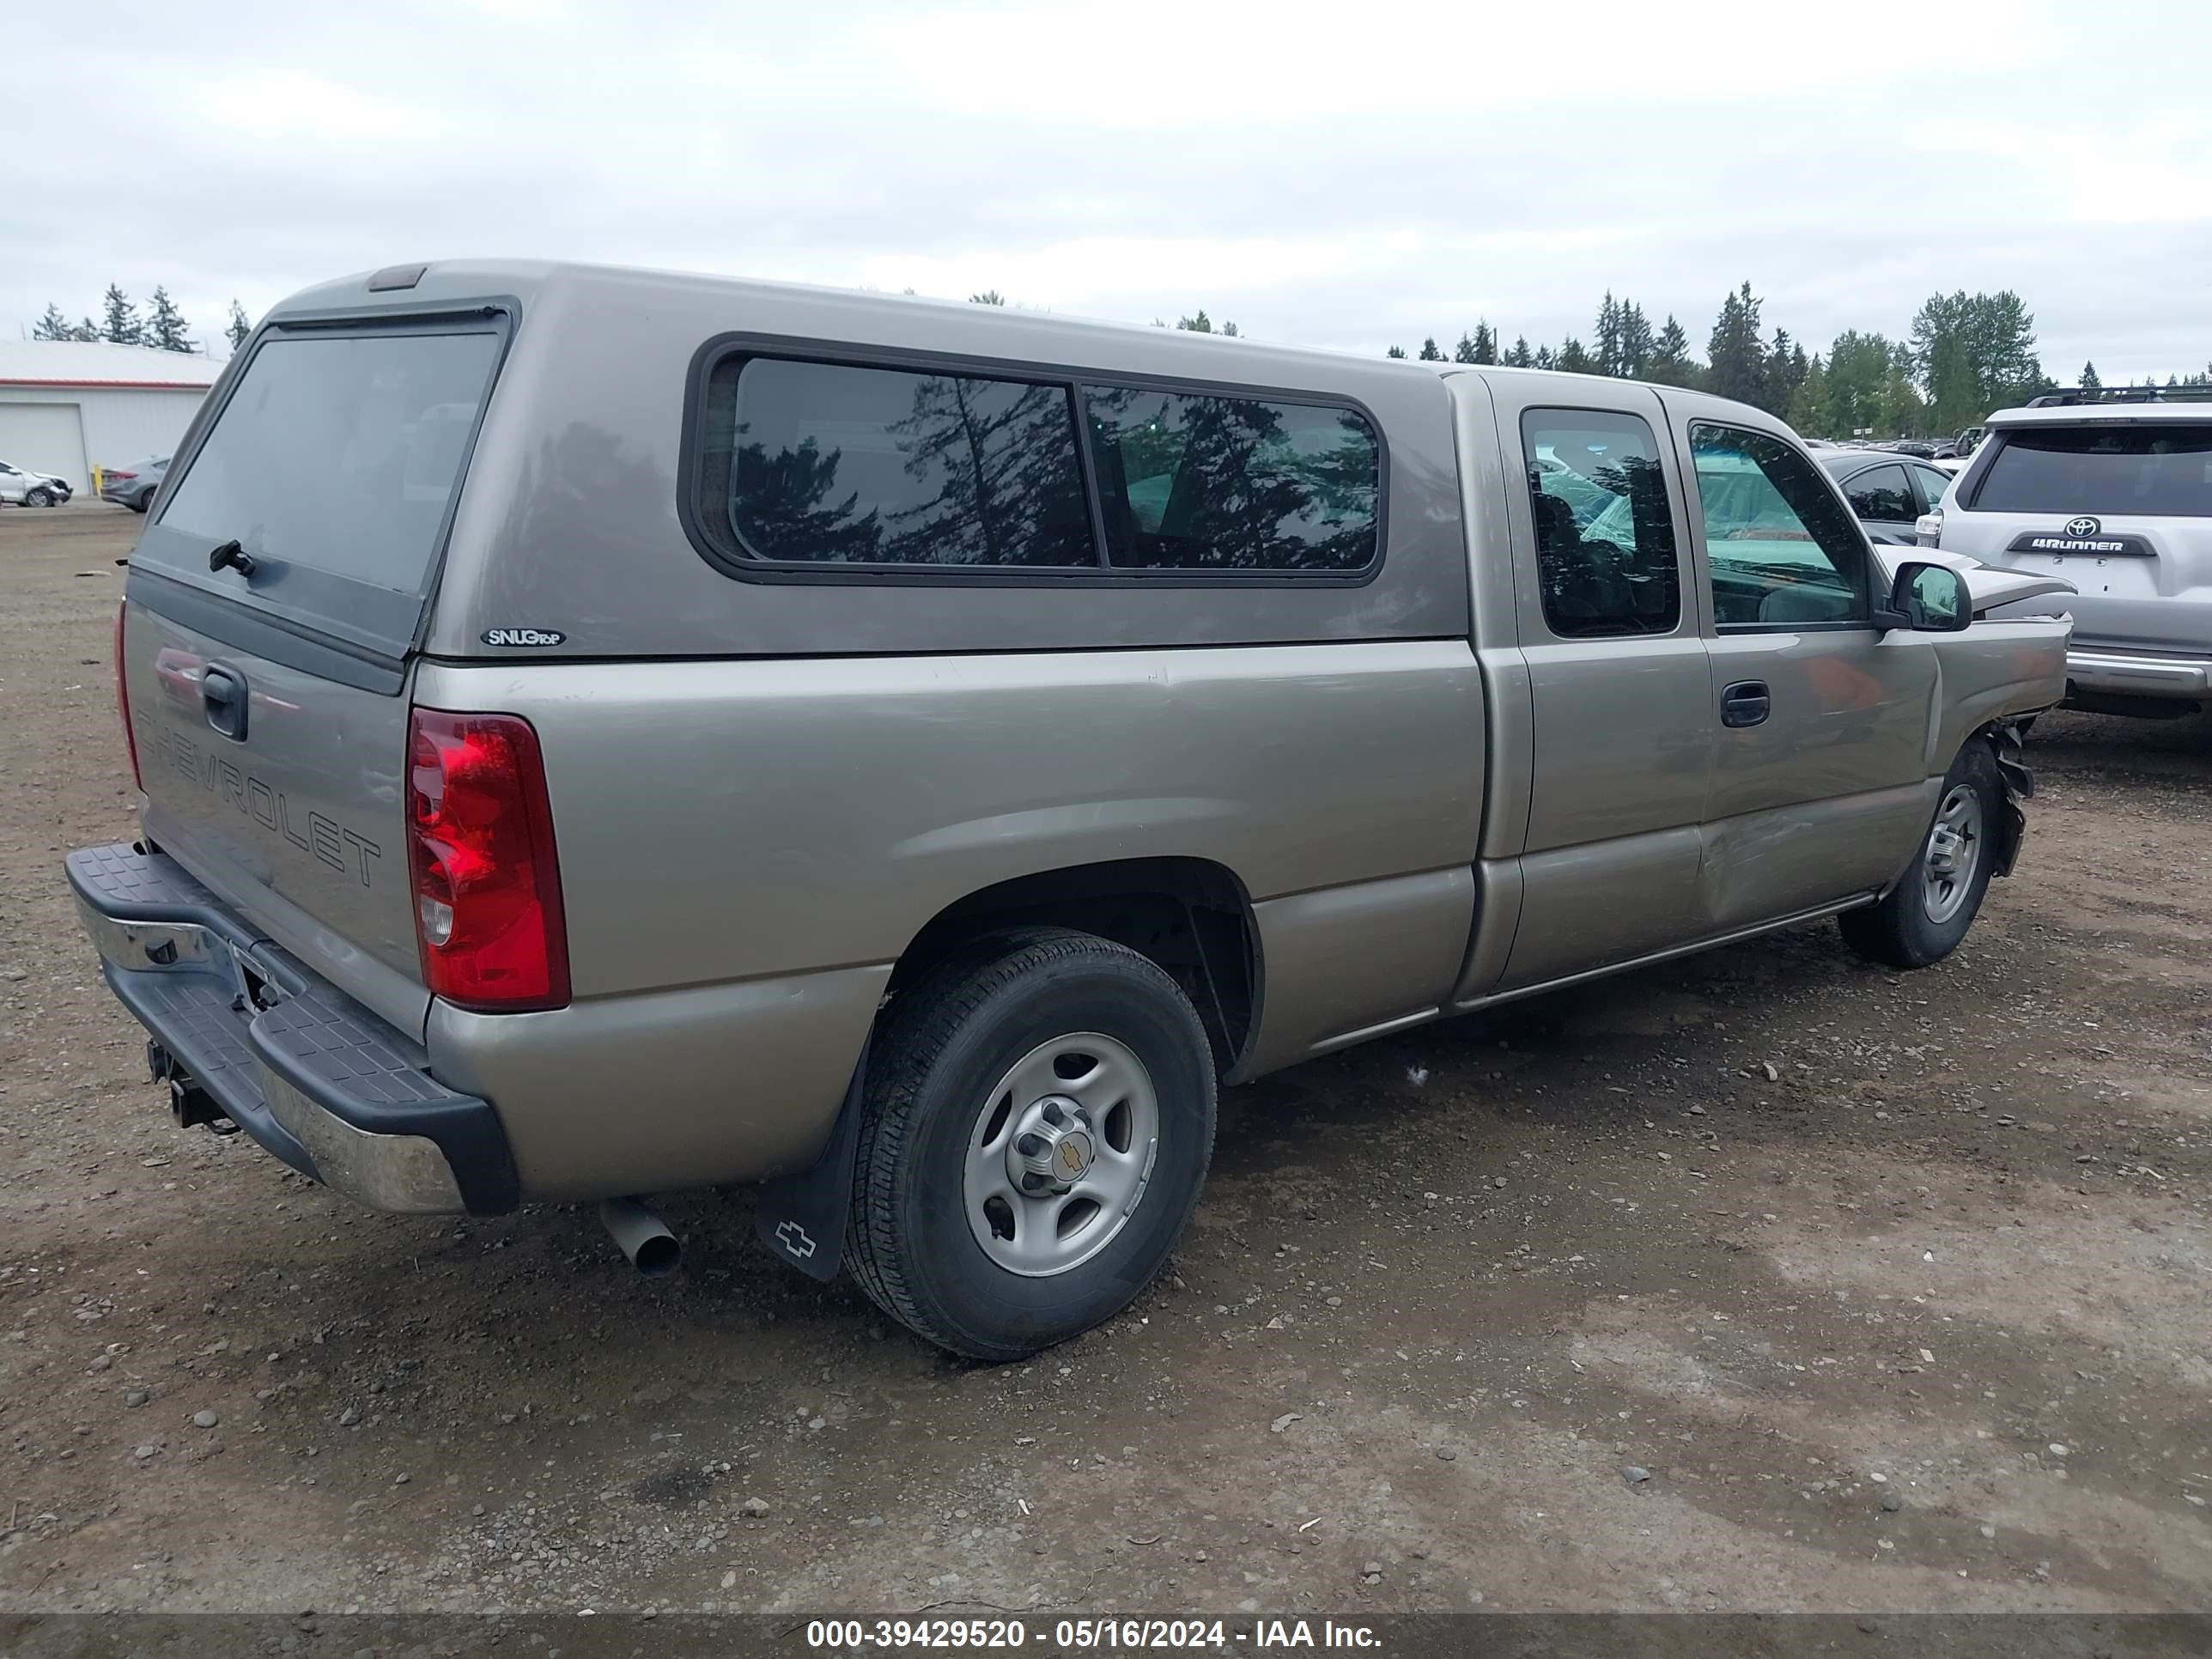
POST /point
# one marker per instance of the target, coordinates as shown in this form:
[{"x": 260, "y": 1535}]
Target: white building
[{"x": 67, "y": 406}]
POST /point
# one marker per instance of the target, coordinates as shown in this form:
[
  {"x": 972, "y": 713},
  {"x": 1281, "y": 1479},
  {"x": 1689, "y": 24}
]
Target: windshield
[
  {"x": 340, "y": 453},
  {"x": 2119, "y": 470}
]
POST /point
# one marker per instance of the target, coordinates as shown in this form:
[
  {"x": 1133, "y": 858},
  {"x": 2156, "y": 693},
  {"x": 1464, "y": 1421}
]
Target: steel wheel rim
[
  {"x": 1107, "y": 1121},
  {"x": 1952, "y": 854}
]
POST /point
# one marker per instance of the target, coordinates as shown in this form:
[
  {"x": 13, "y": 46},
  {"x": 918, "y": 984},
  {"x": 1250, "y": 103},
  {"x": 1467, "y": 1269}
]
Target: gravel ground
[{"x": 1767, "y": 1280}]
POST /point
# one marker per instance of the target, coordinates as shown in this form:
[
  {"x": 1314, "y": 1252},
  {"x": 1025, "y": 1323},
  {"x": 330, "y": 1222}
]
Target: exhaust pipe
[{"x": 651, "y": 1248}]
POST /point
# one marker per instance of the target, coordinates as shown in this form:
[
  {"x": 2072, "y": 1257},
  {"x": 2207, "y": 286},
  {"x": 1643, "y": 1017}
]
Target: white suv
[{"x": 2112, "y": 491}]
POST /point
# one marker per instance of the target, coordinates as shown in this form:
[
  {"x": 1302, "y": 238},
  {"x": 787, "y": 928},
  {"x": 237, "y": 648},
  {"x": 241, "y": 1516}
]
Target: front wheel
[
  {"x": 1037, "y": 1123},
  {"x": 40, "y": 498},
  {"x": 1928, "y": 913}
]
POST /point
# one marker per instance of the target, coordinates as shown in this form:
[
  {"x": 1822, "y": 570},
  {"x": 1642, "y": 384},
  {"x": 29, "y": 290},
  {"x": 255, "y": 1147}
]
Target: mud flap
[
  {"x": 801, "y": 1217},
  {"x": 2019, "y": 786}
]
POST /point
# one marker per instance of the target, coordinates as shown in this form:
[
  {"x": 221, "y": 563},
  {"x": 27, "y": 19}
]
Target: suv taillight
[
  {"x": 487, "y": 884},
  {"x": 123, "y": 700}
]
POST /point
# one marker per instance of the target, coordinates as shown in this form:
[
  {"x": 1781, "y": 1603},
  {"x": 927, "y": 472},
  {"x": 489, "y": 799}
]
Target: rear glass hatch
[
  {"x": 2119, "y": 506},
  {"x": 274, "y": 604},
  {"x": 2104, "y": 469}
]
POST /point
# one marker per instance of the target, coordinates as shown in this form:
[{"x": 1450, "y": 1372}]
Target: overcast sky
[{"x": 1348, "y": 174}]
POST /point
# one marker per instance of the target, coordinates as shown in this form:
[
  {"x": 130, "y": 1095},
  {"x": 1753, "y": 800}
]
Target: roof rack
[{"x": 2121, "y": 394}]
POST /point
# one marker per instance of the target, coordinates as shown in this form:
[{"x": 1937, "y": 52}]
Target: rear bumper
[
  {"x": 312, "y": 1075},
  {"x": 2138, "y": 674}
]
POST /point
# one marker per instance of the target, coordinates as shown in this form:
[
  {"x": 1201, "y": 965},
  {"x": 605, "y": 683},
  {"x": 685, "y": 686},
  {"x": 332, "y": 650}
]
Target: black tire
[
  {"x": 144, "y": 499},
  {"x": 945, "y": 1043},
  {"x": 1901, "y": 931},
  {"x": 38, "y": 498}
]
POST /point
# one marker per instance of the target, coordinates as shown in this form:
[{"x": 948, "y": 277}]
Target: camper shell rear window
[{"x": 334, "y": 461}]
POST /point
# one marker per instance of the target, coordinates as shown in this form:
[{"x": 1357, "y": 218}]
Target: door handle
[
  {"x": 1744, "y": 704},
  {"x": 222, "y": 692}
]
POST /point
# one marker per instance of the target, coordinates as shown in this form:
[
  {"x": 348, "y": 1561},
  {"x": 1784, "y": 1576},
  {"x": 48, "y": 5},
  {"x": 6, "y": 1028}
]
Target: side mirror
[{"x": 1930, "y": 599}]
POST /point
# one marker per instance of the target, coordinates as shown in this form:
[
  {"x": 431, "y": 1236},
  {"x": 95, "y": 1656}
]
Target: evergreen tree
[
  {"x": 1786, "y": 366},
  {"x": 2088, "y": 382},
  {"x": 1486, "y": 343},
  {"x": 51, "y": 326},
  {"x": 1543, "y": 358},
  {"x": 1200, "y": 324},
  {"x": 1608, "y": 358},
  {"x": 1572, "y": 359},
  {"x": 86, "y": 329},
  {"x": 165, "y": 327},
  {"x": 1636, "y": 344},
  {"x": 1735, "y": 358},
  {"x": 1430, "y": 353},
  {"x": 1520, "y": 357},
  {"x": 237, "y": 329},
  {"x": 989, "y": 296},
  {"x": 122, "y": 326},
  {"x": 1464, "y": 352},
  {"x": 1395, "y": 352},
  {"x": 1669, "y": 361}
]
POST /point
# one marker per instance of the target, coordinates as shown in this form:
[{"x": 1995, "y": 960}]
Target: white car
[
  {"x": 2111, "y": 491},
  {"x": 21, "y": 487}
]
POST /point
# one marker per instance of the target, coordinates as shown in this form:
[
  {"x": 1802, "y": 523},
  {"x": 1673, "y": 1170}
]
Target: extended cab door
[
  {"x": 1819, "y": 785},
  {"x": 1612, "y": 631}
]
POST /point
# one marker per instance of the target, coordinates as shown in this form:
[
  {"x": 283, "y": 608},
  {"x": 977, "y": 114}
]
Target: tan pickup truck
[{"x": 604, "y": 732}]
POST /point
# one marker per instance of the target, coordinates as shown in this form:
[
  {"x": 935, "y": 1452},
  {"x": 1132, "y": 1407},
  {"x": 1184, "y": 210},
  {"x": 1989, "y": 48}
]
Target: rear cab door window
[{"x": 1605, "y": 557}]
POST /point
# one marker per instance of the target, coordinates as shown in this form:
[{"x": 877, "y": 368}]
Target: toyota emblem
[{"x": 2083, "y": 528}]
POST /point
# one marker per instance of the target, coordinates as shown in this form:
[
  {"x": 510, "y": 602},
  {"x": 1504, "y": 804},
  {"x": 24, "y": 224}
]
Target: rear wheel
[
  {"x": 1928, "y": 913},
  {"x": 145, "y": 500},
  {"x": 1038, "y": 1121}
]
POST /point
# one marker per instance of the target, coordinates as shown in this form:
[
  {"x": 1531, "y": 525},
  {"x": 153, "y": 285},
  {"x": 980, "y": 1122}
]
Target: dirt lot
[{"x": 1766, "y": 1281}]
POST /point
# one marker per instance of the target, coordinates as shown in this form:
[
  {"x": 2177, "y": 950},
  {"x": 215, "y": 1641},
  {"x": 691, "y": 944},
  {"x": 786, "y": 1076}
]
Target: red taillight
[
  {"x": 123, "y": 700},
  {"x": 487, "y": 886},
  {"x": 118, "y": 478}
]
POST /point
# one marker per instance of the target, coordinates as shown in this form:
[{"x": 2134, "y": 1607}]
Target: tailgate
[
  {"x": 299, "y": 821},
  {"x": 270, "y": 626}
]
